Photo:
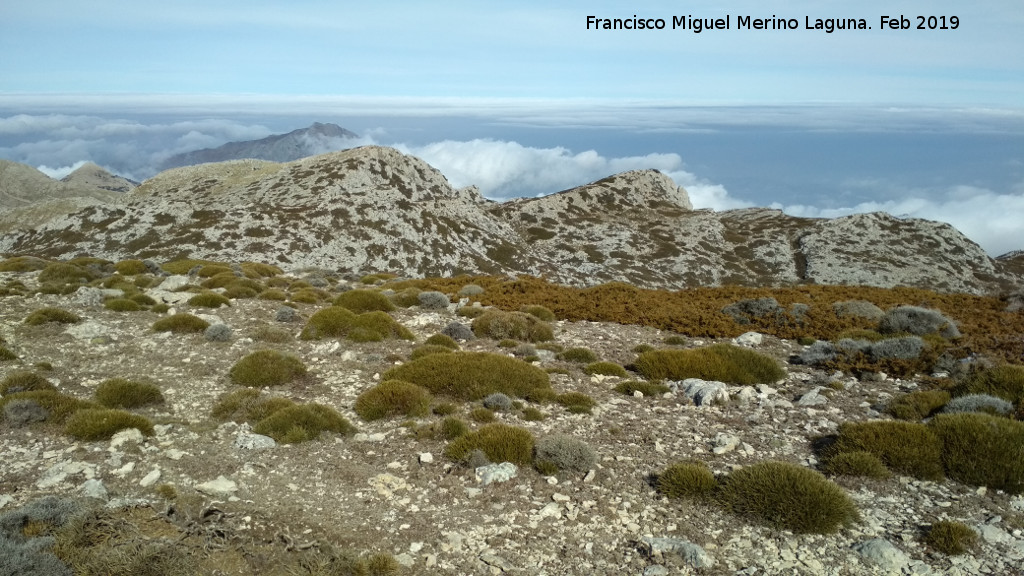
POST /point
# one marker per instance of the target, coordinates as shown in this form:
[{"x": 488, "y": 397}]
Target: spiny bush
[
  {"x": 122, "y": 393},
  {"x": 917, "y": 406},
  {"x": 181, "y": 323},
  {"x": 22, "y": 264},
  {"x": 102, "y": 424},
  {"x": 452, "y": 428},
  {"x": 471, "y": 290},
  {"x": 906, "y": 447},
  {"x": 339, "y": 322},
  {"x": 903, "y": 348},
  {"x": 131, "y": 267},
  {"x": 185, "y": 265},
  {"x": 918, "y": 321},
  {"x": 360, "y": 301},
  {"x": 539, "y": 312},
  {"x": 576, "y": 402},
  {"x": 857, "y": 463},
  {"x": 22, "y": 411},
  {"x": 23, "y": 381},
  {"x": 58, "y": 406},
  {"x": 674, "y": 340},
  {"x": 531, "y": 414},
  {"x": 498, "y": 402},
  {"x": 751, "y": 310},
  {"x": 458, "y": 332},
  {"x": 58, "y": 315},
  {"x": 376, "y": 278},
  {"x": 259, "y": 270},
  {"x": 393, "y": 398},
  {"x": 303, "y": 422},
  {"x": 578, "y": 355},
  {"x": 6, "y": 355},
  {"x": 979, "y": 403},
  {"x": 563, "y": 453},
  {"x": 788, "y": 497},
  {"x": 482, "y": 415},
  {"x": 858, "y": 309},
  {"x": 306, "y": 297},
  {"x": 65, "y": 273},
  {"x": 427, "y": 350},
  {"x": 721, "y": 362},
  {"x": 209, "y": 300},
  {"x": 122, "y": 305},
  {"x": 471, "y": 311},
  {"x": 267, "y": 368},
  {"x": 606, "y": 368},
  {"x": 982, "y": 450},
  {"x": 142, "y": 299},
  {"x": 273, "y": 294},
  {"x": 1005, "y": 381},
  {"x": 500, "y": 442},
  {"x": 247, "y": 405},
  {"x": 646, "y": 388},
  {"x": 471, "y": 375},
  {"x": 442, "y": 340},
  {"x": 686, "y": 479},
  {"x": 433, "y": 300},
  {"x": 952, "y": 538},
  {"x": 211, "y": 270},
  {"x": 500, "y": 325},
  {"x": 218, "y": 333}
]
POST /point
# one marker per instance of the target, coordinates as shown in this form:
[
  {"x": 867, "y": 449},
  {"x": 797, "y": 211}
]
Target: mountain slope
[
  {"x": 90, "y": 174},
  {"x": 277, "y": 148},
  {"x": 29, "y": 198},
  {"x": 375, "y": 209}
]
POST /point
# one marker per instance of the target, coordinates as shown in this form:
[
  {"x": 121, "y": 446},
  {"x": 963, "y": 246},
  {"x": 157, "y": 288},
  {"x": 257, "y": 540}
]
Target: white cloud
[{"x": 993, "y": 220}]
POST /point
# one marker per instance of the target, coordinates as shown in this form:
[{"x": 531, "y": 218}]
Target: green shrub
[
  {"x": 721, "y": 362},
  {"x": 22, "y": 264},
  {"x": 857, "y": 463},
  {"x": 58, "y": 315},
  {"x": 211, "y": 270},
  {"x": 303, "y": 422},
  {"x": 905, "y": 447},
  {"x": 917, "y": 406},
  {"x": 539, "y": 312},
  {"x": 65, "y": 273},
  {"x": 271, "y": 334},
  {"x": 360, "y": 301},
  {"x": 122, "y": 305},
  {"x": 393, "y": 398},
  {"x": 259, "y": 270},
  {"x": 142, "y": 300},
  {"x": 531, "y": 414},
  {"x": 576, "y": 402},
  {"x": 209, "y": 300},
  {"x": 788, "y": 497},
  {"x": 59, "y": 406},
  {"x": 452, "y": 428},
  {"x": 982, "y": 450},
  {"x": 606, "y": 368},
  {"x": 427, "y": 350},
  {"x": 121, "y": 393},
  {"x": 247, "y": 405},
  {"x": 500, "y": 442},
  {"x": 181, "y": 324},
  {"x": 24, "y": 381},
  {"x": 471, "y": 375},
  {"x": 470, "y": 311},
  {"x": 406, "y": 298},
  {"x": 1005, "y": 381},
  {"x": 131, "y": 267},
  {"x": 952, "y": 538},
  {"x": 508, "y": 343},
  {"x": 445, "y": 408},
  {"x": 266, "y": 368},
  {"x": 686, "y": 479},
  {"x": 578, "y": 355},
  {"x": 646, "y": 388},
  {"x": 160, "y": 308},
  {"x": 102, "y": 424},
  {"x": 274, "y": 294},
  {"x": 306, "y": 297},
  {"x": 674, "y": 340},
  {"x": 184, "y": 265},
  {"x": 501, "y": 325},
  {"x": 235, "y": 291},
  {"x": 481, "y": 415},
  {"x": 442, "y": 340},
  {"x": 641, "y": 348},
  {"x": 338, "y": 322},
  {"x": 6, "y": 355},
  {"x": 564, "y": 453}
]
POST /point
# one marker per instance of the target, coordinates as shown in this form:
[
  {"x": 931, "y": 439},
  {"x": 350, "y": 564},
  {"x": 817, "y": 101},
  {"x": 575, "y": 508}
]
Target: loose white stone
[
  {"x": 150, "y": 479},
  {"x": 220, "y": 487},
  {"x": 426, "y": 458}
]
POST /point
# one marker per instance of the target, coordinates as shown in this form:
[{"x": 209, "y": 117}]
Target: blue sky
[
  {"x": 522, "y": 49},
  {"x": 521, "y": 99}
]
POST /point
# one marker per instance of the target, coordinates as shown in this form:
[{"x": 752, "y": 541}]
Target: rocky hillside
[
  {"x": 374, "y": 209},
  {"x": 91, "y": 175},
  {"x": 29, "y": 198},
  {"x": 199, "y": 493},
  {"x": 278, "y": 148}
]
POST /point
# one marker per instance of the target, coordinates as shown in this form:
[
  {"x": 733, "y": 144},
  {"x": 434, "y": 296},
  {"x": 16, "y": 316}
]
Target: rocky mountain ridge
[
  {"x": 294, "y": 145},
  {"x": 375, "y": 209}
]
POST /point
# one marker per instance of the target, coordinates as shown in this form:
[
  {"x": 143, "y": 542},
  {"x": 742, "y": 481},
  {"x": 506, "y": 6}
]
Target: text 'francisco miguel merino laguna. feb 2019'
[{"x": 730, "y": 22}]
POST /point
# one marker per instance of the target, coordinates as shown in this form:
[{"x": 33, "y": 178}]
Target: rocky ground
[{"x": 386, "y": 490}]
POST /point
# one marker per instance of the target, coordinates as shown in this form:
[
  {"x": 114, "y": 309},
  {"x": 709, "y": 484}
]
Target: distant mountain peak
[
  {"x": 90, "y": 174},
  {"x": 318, "y": 138}
]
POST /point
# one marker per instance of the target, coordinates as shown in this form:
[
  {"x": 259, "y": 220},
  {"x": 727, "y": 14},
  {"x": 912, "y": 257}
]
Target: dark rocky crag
[{"x": 288, "y": 147}]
